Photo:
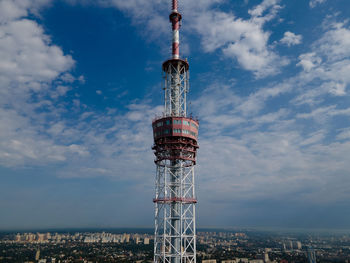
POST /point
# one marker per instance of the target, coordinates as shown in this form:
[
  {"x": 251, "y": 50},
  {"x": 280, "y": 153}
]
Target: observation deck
[
  {"x": 175, "y": 127},
  {"x": 175, "y": 138}
]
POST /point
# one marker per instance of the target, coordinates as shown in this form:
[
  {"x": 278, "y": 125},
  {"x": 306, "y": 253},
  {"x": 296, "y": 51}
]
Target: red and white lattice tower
[{"x": 175, "y": 146}]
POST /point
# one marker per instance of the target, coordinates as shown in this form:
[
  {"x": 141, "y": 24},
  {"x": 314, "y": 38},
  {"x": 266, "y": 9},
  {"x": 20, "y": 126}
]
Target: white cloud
[
  {"x": 271, "y": 8},
  {"x": 34, "y": 75},
  {"x": 243, "y": 40},
  {"x": 256, "y": 101},
  {"x": 314, "y": 3},
  {"x": 309, "y": 61},
  {"x": 27, "y": 54},
  {"x": 12, "y": 9},
  {"x": 344, "y": 134},
  {"x": 29, "y": 65},
  {"x": 291, "y": 39},
  {"x": 9, "y": 10},
  {"x": 254, "y": 144},
  {"x": 337, "y": 89},
  {"x": 335, "y": 43},
  {"x": 329, "y": 63},
  {"x": 267, "y": 155}
]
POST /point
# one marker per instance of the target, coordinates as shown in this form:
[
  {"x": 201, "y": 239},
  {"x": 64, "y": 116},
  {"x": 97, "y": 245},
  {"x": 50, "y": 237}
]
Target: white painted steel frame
[
  {"x": 176, "y": 181},
  {"x": 176, "y": 86},
  {"x": 175, "y": 224}
]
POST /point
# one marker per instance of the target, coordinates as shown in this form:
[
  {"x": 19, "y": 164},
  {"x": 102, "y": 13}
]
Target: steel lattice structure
[{"x": 175, "y": 147}]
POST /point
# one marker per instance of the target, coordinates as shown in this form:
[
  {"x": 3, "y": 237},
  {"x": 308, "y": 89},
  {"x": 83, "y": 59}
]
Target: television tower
[{"x": 175, "y": 147}]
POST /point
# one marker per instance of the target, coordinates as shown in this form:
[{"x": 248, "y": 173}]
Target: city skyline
[
  {"x": 219, "y": 246},
  {"x": 80, "y": 82}
]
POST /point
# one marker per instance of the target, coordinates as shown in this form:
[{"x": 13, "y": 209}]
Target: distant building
[
  {"x": 240, "y": 235},
  {"x": 311, "y": 256},
  {"x": 18, "y": 238},
  {"x": 266, "y": 257},
  {"x": 298, "y": 245},
  {"x": 146, "y": 241},
  {"x": 47, "y": 236},
  {"x": 40, "y": 237},
  {"x": 126, "y": 238},
  {"x": 243, "y": 260},
  {"x": 37, "y": 255},
  {"x": 209, "y": 261}
]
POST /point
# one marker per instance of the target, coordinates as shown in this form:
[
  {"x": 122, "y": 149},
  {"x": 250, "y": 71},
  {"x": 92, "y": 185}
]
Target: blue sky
[{"x": 80, "y": 82}]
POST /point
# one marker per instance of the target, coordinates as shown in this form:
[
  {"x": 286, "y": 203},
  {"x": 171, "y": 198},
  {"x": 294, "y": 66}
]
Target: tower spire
[
  {"x": 175, "y": 71},
  {"x": 175, "y": 18},
  {"x": 174, "y": 5}
]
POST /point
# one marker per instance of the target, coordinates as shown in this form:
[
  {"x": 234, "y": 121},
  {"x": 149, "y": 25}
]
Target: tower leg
[{"x": 175, "y": 236}]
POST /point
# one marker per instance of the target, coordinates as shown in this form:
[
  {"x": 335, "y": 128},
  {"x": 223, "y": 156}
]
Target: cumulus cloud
[
  {"x": 29, "y": 66},
  {"x": 308, "y": 61},
  {"x": 296, "y": 148},
  {"x": 34, "y": 76},
  {"x": 268, "y": 155},
  {"x": 265, "y": 11},
  {"x": 329, "y": 62},
  {"x": 26, "y": 53},
  {"x": 291, "y": 39},
  {"x": 243, "y": 40},
  {"x": 285, "y": 160},
  {"x": 12, "y": 9}
]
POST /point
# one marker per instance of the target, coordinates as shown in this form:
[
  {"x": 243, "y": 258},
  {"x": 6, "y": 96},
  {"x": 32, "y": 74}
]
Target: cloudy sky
[{"x": 80, "y": 82}]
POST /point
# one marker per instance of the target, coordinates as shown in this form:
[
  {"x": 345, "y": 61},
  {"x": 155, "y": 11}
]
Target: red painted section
[
  {"x": 175, "y": 18},
  {"x": 175, "y": 126},
  {"x": 174, "y": 4},
  {"x": 176, "y": 26},
  {"x": 175, "y": 138},
  {"x": 175, "y": 23}
]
